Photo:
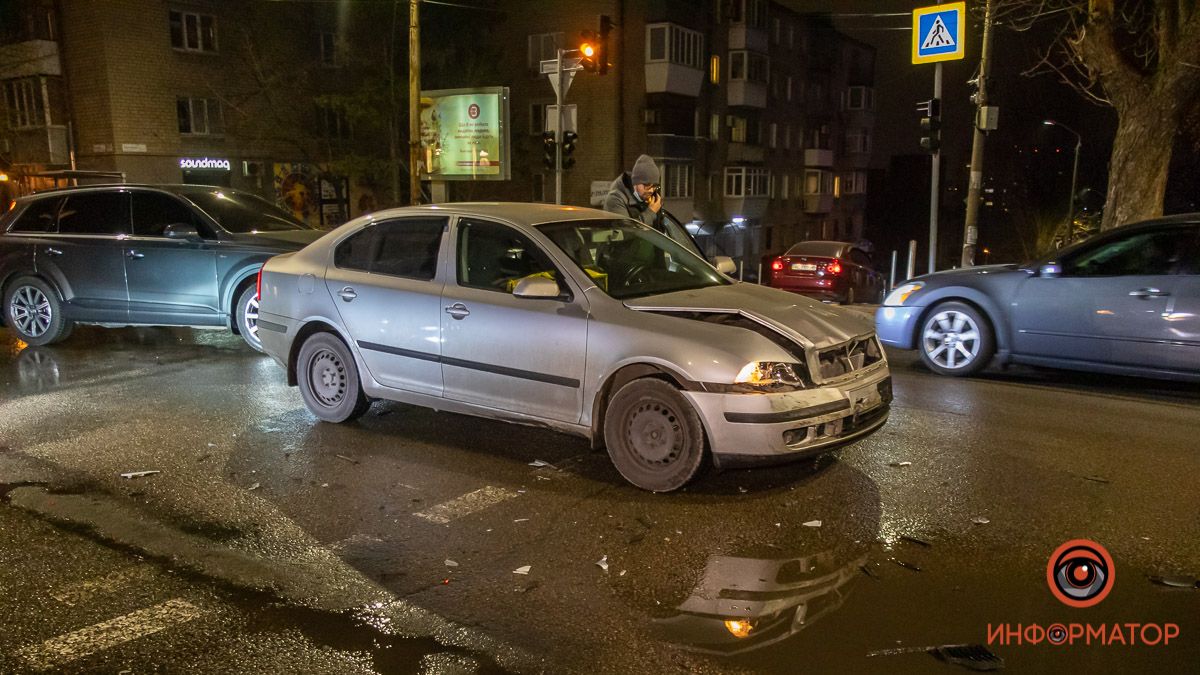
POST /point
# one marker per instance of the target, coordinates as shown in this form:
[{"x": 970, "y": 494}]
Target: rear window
[
  {"x": 825, "y": 249},
  {"x": 399, "y": 248},
  {"x": 95, "y": 213},
  {"x": 38, "y": 216}
]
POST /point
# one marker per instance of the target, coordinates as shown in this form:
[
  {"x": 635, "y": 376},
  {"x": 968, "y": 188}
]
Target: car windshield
[
  {"x": 627, "y": 259},
  {"x": 825, "y": 249},
  {"x": 242, "y": 213}
]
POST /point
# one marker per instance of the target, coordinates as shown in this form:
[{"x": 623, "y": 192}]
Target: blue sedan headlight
[{"x": 902, "y": 293}]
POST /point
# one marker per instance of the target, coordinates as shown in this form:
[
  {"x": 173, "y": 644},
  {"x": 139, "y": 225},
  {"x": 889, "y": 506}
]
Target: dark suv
[{"x": 123, "y": 255}]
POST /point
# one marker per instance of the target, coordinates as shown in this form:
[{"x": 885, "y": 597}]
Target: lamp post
[{"x": 1074, "y": 174}]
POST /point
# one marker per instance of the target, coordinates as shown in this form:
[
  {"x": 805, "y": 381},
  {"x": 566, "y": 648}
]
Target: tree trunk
[{"x": 1137, "y": 173}]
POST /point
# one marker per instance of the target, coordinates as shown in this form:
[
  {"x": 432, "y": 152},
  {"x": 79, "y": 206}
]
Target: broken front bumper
[{"x": 746, "y": 429}]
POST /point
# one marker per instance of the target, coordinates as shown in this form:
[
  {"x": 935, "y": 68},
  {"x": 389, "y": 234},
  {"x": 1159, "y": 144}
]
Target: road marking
[
  {"x": 107, "y": 634},
  {"x": 465, "y": 505},
  {"x": 109, "y": 583}
]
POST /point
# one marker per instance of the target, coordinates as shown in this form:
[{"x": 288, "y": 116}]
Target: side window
[
  {"x": 95, "y": 213},
  {"x": 154, "y": 211},
  {"x": 408, "y": 248},
  {"x": 356, "y": 252},
  {"x": 38, "y": 216},
  {"x": 859, "y": 258},
  {"x": 1142, "y": 253},
  {"x": 495, "y": 257}
]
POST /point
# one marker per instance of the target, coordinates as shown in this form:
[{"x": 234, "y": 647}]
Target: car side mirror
[
  {"x": 724, "y": 264},
  {"x": 537, "y": 287},
  {"x": 1050, "y": 270},
  {"x": 182, "y": 231}
]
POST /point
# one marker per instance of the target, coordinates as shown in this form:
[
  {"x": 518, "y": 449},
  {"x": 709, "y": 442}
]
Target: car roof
[
  {"x": 175, "y": 188},
  {"x": 514, "y": 212}
]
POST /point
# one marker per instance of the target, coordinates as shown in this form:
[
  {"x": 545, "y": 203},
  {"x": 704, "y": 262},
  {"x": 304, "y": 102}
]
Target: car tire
[
  {"x": 328, "y": 379},
  {"x": 654, "y": 436},
  {"x": 33, "y": 310},
  {"x": 955, "y": 339},
  {"x": 246, "y": 315}
]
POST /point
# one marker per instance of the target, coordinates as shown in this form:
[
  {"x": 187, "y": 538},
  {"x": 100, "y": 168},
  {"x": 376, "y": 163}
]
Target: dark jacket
[{"x": 622, "y": 201}]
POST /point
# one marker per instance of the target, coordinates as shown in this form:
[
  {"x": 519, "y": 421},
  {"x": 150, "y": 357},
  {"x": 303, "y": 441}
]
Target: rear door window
[
  {"x": 859, "y": 258},
  {"x": 38, "y": 216},
  {"x": 400, "y": 248},
  {"x": 154, "y": 211},
  {"x": 95, "y": 213}
]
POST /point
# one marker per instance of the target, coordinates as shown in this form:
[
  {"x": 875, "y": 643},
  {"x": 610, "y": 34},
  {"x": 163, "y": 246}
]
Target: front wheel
[
  {"x": 328, "y": 380},
  {"x": 956, "y": 340},
  {"x": 33, "y": 309},
  {"x": 247, "y": 317},
  {"x": 654, "y": 437}
]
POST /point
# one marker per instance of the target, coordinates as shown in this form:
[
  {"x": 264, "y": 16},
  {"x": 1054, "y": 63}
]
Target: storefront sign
[
  {"x": 203, "y": 163},
  {"x": 464, "y": 134}
]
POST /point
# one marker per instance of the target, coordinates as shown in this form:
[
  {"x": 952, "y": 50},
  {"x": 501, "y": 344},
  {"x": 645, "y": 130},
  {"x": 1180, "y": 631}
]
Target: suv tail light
[{"x": 834, "y": 267}]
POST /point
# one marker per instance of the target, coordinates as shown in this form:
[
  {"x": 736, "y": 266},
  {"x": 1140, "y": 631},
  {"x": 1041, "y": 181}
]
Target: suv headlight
[
  {"x": 771, "y": 375},
  {"x": 902, "y": 293}
]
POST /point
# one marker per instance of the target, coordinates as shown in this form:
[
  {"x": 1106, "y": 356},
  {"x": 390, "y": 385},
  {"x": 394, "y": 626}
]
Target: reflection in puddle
[{"x": 742, "y": 604}]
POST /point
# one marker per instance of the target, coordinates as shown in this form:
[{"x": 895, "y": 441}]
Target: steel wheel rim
[
  {"x": 327, "y": 378},
  {"x": 30, "y": 311},
  {"x": 250, "y": 319},
  {"x": 951, "y": 339},
  {"x": 654, "y": 433}
]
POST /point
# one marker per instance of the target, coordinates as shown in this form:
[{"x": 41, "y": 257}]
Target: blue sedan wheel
[{"x": 955, "y": 340}]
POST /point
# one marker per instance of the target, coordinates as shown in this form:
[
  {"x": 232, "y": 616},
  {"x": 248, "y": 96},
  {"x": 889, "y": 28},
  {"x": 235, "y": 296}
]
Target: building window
[
  {"x": 787, "y": 137},
  {"x": 714, "y": 127},
  {"x": 329, "y": 50},
  {"x": 714, "y": 69},
  {"x": 742, "y": 181},
  {"x": 193, "y": 32},
  {"x": 333, "y": 122},
  {"x": 25, "y": 103},
  {"x": 858, "y": 142},
  {"x": 199, "y": 116},
  {"x": 791, "y": 36},
  {"x": 854, "y": 183},
  {"x": 818, "y": 182},
  {"x": 543, "y": 47},
  {"x": 783, "y": 186},
  {"x": 676, "y": 179},
  {"x": 818, "y": 139},
  {"x": 775, "y": 31},
  {"x": 860, "y": 98},
  {"x": 674, "y": 44},
  {"x": 753, "y": 13},
  {"x": 737, "y": 129},
  {"x": 772, "y": 135},
  {"x": 789, "y": 87},
  {"x": 537, "y": 118},
  {"x": 750, "y": 66}
]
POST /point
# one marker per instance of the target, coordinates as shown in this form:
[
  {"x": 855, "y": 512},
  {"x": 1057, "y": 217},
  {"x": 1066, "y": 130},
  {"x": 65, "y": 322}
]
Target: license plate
[{"x": 804, "y": 267}]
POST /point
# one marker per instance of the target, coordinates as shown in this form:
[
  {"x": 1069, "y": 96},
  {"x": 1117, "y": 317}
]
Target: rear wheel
[
  {"x": 328, "y": 379},
  {"x": 247, "y": 317},
  {"x": 956, "y": 340},
  {"x": 654, "y": 437},
  {"x": 34, "y": 311}
]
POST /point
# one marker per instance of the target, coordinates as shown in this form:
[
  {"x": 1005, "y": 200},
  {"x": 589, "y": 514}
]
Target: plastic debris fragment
[
  {"x": 523, "y": 569},
  {"x": 602, "y": 563},
  {"x": 139, "y": 474}
]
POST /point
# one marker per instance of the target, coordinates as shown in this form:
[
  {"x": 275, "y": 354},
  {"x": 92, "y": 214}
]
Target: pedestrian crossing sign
[{"x": 938, "y": 32}]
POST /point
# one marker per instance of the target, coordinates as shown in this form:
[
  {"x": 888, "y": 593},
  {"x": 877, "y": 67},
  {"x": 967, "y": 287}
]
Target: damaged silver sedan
[{"x": 573, "y": 319}]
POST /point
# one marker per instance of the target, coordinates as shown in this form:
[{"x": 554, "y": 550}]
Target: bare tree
[{"x": 1141, "y": 57}]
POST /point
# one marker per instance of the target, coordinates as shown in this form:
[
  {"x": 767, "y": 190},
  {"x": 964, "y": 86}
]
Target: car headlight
[
  {"x": 768, "y": 374},
  {"x": 902, "y": 293}
]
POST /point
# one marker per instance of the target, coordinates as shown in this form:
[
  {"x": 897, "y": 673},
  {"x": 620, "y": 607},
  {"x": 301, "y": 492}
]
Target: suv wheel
[
  {"x": 329, "y": 381},
  {"x": 32, "y": 308},
  {"x": 247, "y": 317},
  {"x": 654, "y": 437}
]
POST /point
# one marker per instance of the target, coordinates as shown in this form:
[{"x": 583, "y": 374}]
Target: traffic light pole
[
  {"x": 935, "y": 179},
  {"x": 975, "y": 187},
  {"x": 559, "y": 95}
]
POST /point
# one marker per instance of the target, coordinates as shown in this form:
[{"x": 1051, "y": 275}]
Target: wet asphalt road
[{"x": 272, "y": 543}]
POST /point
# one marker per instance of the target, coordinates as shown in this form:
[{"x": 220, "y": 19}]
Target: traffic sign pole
[
  {"x": 560, "y": 93},
  {"x": 935, "y": 179}
]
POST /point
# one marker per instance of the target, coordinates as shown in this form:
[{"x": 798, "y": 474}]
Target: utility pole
[
  {"x": 414, "y": 102},
  {"x": 975, "y": 188},
  {"x": 935, "y": 179}
]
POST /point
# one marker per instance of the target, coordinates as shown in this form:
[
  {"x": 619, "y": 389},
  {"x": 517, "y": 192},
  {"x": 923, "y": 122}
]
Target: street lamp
[{"x": 1074, "y": 174}]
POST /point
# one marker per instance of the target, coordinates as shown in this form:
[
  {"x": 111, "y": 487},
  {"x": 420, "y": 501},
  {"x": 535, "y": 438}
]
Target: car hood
[
  {"x": 961, "y": 272},
  {"x": 807, "y": 322},
  {"x": 288, "y": 240}
]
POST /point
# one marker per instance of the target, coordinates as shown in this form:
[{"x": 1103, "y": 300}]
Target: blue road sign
[{"x": 938, "y": 33}]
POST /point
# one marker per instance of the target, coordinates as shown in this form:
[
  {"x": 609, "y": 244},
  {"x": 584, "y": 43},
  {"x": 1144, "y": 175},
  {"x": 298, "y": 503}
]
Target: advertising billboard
[{"x": 464, "y": 134}]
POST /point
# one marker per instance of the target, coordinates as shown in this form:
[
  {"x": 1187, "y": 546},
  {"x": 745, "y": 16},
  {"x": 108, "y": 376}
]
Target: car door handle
[
  {"x": 1148, "y": 293},
  {"x": 53, "y": 251},
  {"x": 347, "y": 294},
  {"x": 134, "y": 254},
  {"x": 458, "y": 311}
]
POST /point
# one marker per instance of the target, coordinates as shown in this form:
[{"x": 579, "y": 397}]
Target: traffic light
[
  {"x": 593, "y": 47},
  {"x": 568, "y": 148},
  {"x": 549, "y": 150},
  {"x": 606, "y": 25},
  {"x": 931, "y": 125}
]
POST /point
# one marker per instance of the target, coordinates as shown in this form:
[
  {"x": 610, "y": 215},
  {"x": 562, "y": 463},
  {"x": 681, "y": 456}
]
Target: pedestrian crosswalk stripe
[
  {"x": 107, "y": 634},
  {"x": 84, "y": 590},
  {"x": 465, "y": 505}
]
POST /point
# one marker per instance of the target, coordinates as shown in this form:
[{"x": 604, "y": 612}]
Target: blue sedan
[{"x": 1125, "y": 302}]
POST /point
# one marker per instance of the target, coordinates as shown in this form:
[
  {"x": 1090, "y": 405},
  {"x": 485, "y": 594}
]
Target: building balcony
[
  {"x": 29, "y": 58},
  {"x": 818, "y": 203},
  {"x": 818, "y": 158},
  {"x": 744, "y": 153},
  {"x": 746, "y": 207},
  {"x": 671, "y": 78},
  {"x": 42, "y": 146},
  {"x": 669, "y": 145},
  {"x": 744, "y": 37},
  {"x": 747, "y": 94}
]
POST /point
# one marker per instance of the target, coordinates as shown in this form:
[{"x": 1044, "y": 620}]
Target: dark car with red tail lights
[{"x": 828, "y": 270}]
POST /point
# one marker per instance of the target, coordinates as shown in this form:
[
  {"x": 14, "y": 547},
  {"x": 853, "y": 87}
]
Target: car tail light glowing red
[
  {"x": 777, "y": 264},
  {"x": 834, "y": 267}
]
